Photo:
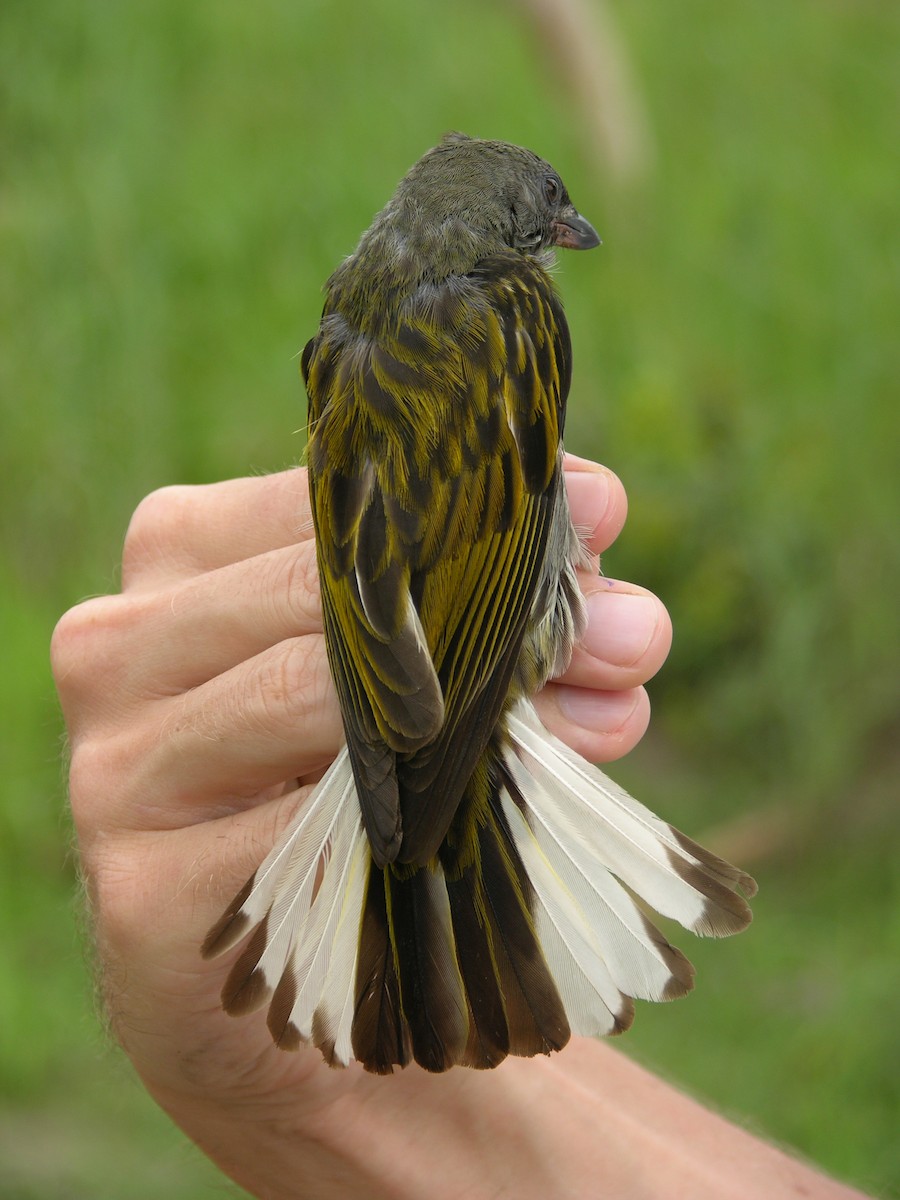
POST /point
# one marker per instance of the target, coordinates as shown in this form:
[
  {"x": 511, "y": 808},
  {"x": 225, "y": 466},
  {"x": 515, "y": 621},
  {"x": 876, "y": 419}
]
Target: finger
[
  {"x": 597, "y": 502},
  {"x": 214, "y": 749},
  {"x": 214, "y": 621},
  {"x": 112, "y": 654},
  {"x": 627, "y": 640},
  {"x": 205, "y": 625},
  {"x": 180, "y": 531},
  {"x": 600, "y": 726}
]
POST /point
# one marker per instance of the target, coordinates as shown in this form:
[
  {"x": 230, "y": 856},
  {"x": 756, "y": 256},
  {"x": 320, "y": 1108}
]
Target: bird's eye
[{"x": 551, "y": 189}]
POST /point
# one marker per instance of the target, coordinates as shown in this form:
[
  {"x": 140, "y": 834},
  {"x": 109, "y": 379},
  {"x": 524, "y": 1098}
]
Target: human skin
[{"x": 200, "y": 709}]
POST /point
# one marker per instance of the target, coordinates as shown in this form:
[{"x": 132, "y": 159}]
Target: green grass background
[{"x": 177, "y": 181}]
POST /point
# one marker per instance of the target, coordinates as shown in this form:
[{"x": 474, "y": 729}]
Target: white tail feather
[
  {"x": 337, "y": 1002},
  {"x": 296, "y": 851},
  {"x": 629, "y": 840},
  {"x": 594, "y": 1005},
  {"x": 314, "y": 948},
  {"x": 640, "y": 961},
  {"x": 314, "y": 842}
]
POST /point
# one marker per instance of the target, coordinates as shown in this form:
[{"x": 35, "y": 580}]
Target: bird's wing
[{"x": 433, "y": 461}]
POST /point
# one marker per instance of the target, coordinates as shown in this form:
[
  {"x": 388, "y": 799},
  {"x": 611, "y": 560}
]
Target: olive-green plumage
[{"x": 451, "y": 892}]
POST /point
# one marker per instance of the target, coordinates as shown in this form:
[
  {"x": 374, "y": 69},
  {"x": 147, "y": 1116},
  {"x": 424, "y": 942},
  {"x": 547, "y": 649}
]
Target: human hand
[{"x": 200, "y": 709}]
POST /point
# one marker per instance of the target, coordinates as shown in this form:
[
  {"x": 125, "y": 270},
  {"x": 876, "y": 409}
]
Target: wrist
[
  {"x": 586, "y": 1123},
  {"x": 344, "y": 1133}
]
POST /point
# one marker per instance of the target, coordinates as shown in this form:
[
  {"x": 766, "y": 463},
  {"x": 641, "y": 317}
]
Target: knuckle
[
  {"x": 299, "y": 685},
  {"x": 297, "y": 586},
  {"x": 109, "y": 779},
  {"x": 78, "y": 632},
  {"x": 116, "y": 887},
  {"x": 90, "y": 645},
  {"x": 154, "y": 525},
  {"x": 92, "y": 776},
  {"x": 65, "y": 641}
]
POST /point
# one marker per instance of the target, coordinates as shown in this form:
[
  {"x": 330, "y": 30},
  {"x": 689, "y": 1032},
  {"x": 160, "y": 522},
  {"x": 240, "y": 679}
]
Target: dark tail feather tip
[
  {"x": 230, "y": 927},
  {"x": 624, "y": 1019},
  {"x": 246, "y": 988},
  {"x": 245, "y": 994},
  {"x": 284, "y": 1033},
  {"x": 731, "y": 875}
]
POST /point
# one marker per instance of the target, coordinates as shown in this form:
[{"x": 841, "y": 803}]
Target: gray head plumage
[{"x": 469, "y": 197}]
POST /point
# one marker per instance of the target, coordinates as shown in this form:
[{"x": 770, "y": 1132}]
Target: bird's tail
[{"x": 523, "y": 930}]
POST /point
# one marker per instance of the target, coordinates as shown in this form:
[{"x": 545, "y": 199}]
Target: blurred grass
[{"x": 177, "y": 181}]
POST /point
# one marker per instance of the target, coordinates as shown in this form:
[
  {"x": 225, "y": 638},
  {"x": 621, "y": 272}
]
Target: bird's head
[{"x": 470, "y": 197}]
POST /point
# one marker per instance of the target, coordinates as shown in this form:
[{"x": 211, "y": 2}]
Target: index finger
[{"x": 186, "y": 530}]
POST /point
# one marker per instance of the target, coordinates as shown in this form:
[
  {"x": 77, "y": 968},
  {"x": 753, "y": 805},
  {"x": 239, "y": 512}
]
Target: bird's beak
[{"x": 571, "y": 231}]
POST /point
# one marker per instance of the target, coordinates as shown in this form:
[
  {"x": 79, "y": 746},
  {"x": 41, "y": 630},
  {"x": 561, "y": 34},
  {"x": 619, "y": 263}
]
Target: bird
[{"x": 460, "y": 886}]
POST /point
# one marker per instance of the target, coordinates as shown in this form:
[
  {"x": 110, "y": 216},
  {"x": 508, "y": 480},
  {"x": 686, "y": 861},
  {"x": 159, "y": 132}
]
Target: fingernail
[
  {"x": 602, "y": 712},
  {"x": 621, "y": 626}
]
